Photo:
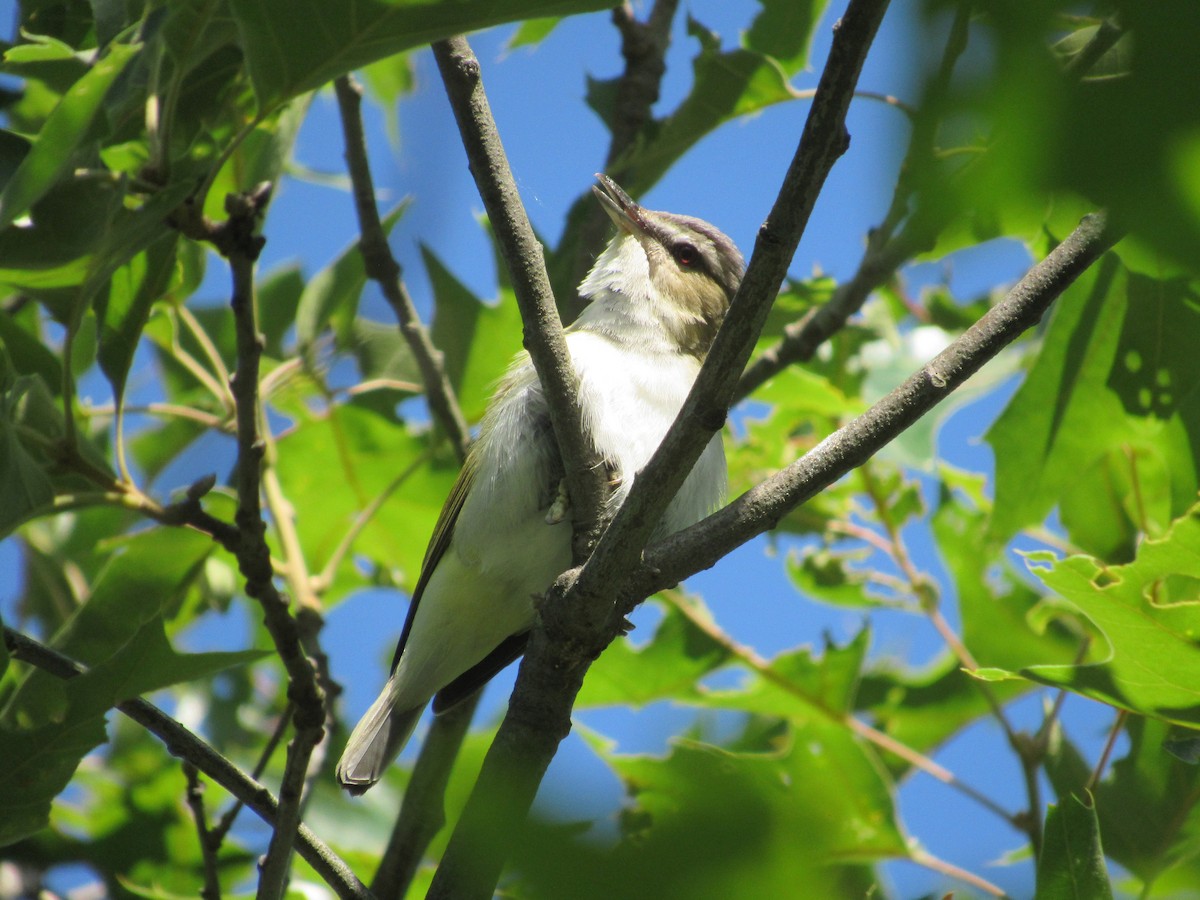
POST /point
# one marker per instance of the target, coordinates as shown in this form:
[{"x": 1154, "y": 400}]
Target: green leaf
[
  {"x": 705, "y": 822},
  {"x": 1147, "y": 809},
  {"x": 532, "y": 32},
  {"x": 1116, "y": 382},
  {"x": 831, "y": 577},
  {"x": 334, "y": 291},
  {"x": 63, "y": 132},
  {"x": 125, "y": 309},
  {"x": 678, "y": 655},
  {"x": 279, "y": 294},
  {"x": 1148, "y": 611},
  {"x": 783, "y": 31},
  {"x": 24, "y": 485},
  {"x": 1071, "y": 866},
  {"x": 68, "y": 223},
  {"x": 479, "y": 340},
  {"x": 383, "y": 353},
  {"x": 145, "y": 578},
  {"x": 36, "y": 767},
  {"x": 1006, "y": 624},
  {"x": 293, "y": 48},
  {"x": 726, "y": 85},
  {"x": 335, "y": 466},
  {"x": 21, "y": 341},
  {"x": 13, "y": 149}
]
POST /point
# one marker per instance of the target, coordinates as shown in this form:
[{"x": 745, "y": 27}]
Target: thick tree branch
[
  {"x": 523, "y": 254},
  {"x": 681, "y": 555},
  {"x": 575, "y": 622},
  {"x": 253, "y": 554},
  {"x": 382, "y": 267},
  {"x": 183, "y": 744}
]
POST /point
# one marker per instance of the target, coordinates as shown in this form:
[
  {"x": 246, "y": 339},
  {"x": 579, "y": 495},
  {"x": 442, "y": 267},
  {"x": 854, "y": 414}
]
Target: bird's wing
[{"x": 442, "y": 533}]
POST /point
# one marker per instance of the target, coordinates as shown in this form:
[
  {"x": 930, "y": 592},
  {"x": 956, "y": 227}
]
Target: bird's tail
[{"x": 376, "y": 740}]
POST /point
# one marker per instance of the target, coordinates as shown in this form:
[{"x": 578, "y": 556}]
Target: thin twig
[
  {"x": 886, "y": 249},
  {"x": 767, "y": 672},
  {"x": 219, "y": 389},
  {"x": 1109, "y": 744},
  {"x": 165, "y": 410},
  {"x": 935, "y": 864},
  {"x": 381, "y": 266},
  {"x": 208, "y": 846},
  {"x": 183, "y": 744},
  {"x": 221, "y": 829},
  {"x": 210, "y": 351},
  {"x": 240, "y": 245}
]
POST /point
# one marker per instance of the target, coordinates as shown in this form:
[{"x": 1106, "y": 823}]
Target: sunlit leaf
[
  {"x": 290, "y": 49},
  {"x": 334, "y": 291},
  {"x": 677, "y": 656},
  {"x": 479, "y": 340},
  {"x": 1117, "y": 372},
  {"x": 1149, "y": 611},
  {"x": 66, "y": 128}
]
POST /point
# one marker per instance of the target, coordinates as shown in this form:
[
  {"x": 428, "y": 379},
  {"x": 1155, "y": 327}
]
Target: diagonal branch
[
  {"x": 822, "y": 142},
  {"x": 681, "y": 555},
  {"x": 382, "y": 267},
  {"x": 524, "y": 255},
  {"x": 183, "y": 744}
]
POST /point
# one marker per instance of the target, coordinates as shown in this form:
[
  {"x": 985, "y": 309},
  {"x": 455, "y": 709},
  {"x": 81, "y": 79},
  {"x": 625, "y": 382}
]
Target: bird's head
[{"x": 664, "y": 276}]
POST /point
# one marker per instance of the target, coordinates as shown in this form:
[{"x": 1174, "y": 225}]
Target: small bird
[{"x": 658, "y": 294}]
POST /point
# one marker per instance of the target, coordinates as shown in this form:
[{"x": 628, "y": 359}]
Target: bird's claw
[{"x": 560, "y": 506}]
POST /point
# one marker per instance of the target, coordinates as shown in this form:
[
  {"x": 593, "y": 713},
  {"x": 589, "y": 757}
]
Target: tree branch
[
  {"x": 524, "y": 255},
  {"x": 183, "y": 744},
  {"x": 253, "y": 554},
  {"x": 555, "y": 661},
  {"x": 208, "y": 846},
  {"x": 575, "y": 620},
  {"x": 382, "y": 267},
  {"x": 681, "y": 555}
]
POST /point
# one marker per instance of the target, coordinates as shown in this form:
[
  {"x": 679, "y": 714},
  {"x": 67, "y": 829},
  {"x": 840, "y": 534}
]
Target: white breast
[{"x": 629, "y": 401}]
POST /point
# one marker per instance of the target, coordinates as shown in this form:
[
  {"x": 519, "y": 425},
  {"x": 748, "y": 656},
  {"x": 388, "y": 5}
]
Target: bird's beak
[{"x": 626, "y": 214}]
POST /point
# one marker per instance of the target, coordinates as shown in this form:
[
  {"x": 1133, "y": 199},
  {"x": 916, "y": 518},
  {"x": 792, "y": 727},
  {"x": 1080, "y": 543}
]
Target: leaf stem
[{"x": 381, "y": 266}]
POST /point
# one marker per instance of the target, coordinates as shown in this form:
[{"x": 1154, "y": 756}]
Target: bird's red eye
[{"x": 686, "y": 255}]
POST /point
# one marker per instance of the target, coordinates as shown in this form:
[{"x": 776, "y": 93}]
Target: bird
[{"x": 655, "y": 298}]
